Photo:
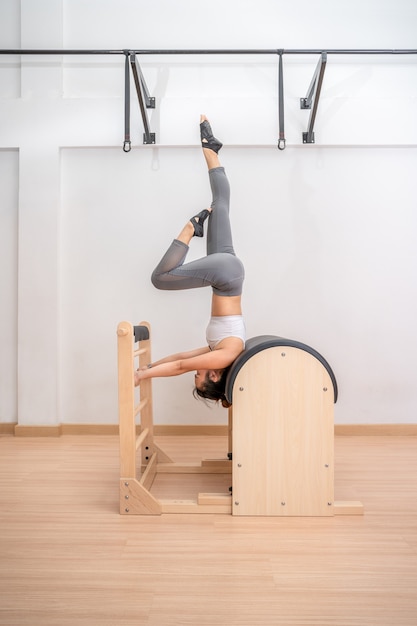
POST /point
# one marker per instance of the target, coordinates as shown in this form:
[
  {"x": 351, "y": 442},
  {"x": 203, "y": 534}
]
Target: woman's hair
[{"x": 214, "y": 390}]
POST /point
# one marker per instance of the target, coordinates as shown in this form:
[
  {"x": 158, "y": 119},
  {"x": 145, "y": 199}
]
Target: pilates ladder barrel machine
[{"x": 281, "y": 434}]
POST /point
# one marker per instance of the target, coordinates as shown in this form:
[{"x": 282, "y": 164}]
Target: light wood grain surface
[{"x": 68, "y": 558}]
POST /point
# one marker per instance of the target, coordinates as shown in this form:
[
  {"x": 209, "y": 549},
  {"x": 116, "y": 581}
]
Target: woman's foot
[
  {"x": 198, "y": 222},
  {"x": 207, "y": 138}
]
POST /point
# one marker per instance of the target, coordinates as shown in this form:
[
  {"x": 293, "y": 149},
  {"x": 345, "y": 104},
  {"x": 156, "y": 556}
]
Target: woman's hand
[{"x": 138, "y": 376}]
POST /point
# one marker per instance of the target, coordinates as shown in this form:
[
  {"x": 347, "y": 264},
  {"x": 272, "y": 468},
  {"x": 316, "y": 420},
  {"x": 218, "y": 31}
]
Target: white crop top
[{"x": 225, "y": 326}]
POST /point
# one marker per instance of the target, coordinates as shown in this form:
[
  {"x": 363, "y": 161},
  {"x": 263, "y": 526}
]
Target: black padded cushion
[
  {"x": 141, "y": 333},
  {"x": 263, "y": 342}
]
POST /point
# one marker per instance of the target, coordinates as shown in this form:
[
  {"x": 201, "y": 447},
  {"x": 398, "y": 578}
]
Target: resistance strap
[
  {"x": 127, "y": 146},
  {"x": 281, "y": 140}
]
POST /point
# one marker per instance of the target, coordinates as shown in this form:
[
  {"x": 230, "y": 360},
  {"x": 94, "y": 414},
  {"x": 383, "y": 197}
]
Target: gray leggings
[{"x": 220, "y": 268}]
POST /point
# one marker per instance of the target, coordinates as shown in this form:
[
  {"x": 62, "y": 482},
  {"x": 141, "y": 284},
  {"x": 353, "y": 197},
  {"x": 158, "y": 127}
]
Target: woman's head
[{"x": 211, "y": 384}]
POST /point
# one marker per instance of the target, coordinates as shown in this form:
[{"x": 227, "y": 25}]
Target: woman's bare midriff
[{"x": 226, "y": 305}]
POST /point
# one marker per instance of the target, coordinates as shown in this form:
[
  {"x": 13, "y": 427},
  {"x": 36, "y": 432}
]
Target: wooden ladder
[{"x": 134, "y": 350}]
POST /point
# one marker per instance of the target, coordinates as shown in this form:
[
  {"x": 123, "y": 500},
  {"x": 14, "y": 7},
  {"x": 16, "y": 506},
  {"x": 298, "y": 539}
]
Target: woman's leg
[
  {"x": 224, "y": 272},
  {"x": 219, "y": 233}
]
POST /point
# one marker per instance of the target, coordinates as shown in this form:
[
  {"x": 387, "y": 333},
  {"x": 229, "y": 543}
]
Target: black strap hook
[
  {"x": 281, "y": 141},
  {"x": 127, "y": 146}
]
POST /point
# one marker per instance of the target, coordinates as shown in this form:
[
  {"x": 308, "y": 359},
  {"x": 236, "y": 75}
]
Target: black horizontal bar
[{"x": 207, "y": 52}]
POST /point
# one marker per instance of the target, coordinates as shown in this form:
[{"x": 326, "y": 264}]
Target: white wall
[
  {"x": 9, "y": 168},
  {"x": 326, "y": 231}
]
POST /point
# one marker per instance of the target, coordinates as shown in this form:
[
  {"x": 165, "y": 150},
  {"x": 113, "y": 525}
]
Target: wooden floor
[{"x": 68, "y": 558}]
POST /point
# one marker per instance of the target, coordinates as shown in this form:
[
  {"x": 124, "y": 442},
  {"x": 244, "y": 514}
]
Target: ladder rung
[
  {"x": 140, "y": 351},
  {"x": 141, "y": 405},
  {"x": 141, "y": 438}
]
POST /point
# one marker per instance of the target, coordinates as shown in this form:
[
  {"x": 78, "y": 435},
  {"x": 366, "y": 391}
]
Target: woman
[{"x": 221, "y": 270}]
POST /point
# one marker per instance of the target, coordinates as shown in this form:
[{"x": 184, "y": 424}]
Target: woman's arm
[
  {"x": 202, "y": 358},
  {"x": 181, "y": 355},
  {"x": 172, "y": 365}
]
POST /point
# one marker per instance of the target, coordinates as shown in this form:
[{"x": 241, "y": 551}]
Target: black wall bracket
[
  {"x": 311, "y": 101},
  {"x": 145, "y": 100}
]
